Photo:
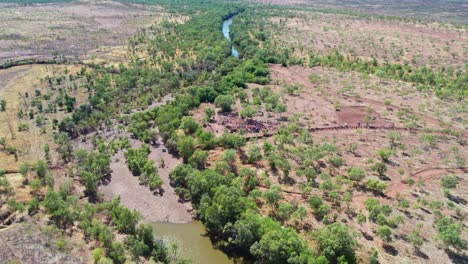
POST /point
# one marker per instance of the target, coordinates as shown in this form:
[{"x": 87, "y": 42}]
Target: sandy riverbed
[{"x": 154, "y": 208}]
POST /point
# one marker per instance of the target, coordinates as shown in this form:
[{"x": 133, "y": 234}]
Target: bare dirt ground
[
  {"x": 353, "y": 89},
  {"x": 71, "y": 29},
  {"x": 153, "y": 207},
  {"x": 417, "y": 43}
]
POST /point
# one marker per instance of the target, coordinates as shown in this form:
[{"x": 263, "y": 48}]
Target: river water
[
  {"x": 191, "y": 238},
  {"x": 226, "y": 30},
  {"x": 192, "y": 242}
]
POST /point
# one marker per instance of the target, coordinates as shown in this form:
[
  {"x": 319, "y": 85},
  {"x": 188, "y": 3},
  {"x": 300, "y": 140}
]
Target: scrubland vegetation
[{"x": 290, "y": 154}]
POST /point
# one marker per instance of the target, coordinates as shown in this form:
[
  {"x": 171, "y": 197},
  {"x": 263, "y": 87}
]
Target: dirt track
[
  {"x": 300, "y": 75},
  {"x": 423, "y": 175}
]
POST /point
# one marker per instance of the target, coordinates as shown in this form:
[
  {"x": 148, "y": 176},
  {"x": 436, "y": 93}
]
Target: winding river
[
  {"x": 226, "y": 31},
  {"x": 191, "y": 238}
]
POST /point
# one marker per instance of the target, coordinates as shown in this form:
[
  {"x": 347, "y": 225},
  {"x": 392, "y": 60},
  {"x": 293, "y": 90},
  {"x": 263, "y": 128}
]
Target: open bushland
[
  {"x": 69, "y": 30},
  {"x": 291, "y": 154}
]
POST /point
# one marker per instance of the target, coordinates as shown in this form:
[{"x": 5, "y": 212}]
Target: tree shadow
[
  {"x": 384, "y": 178},
  {"x": 457, "y": 258},
  {"x": 288, "y": 180},
  {"x": 367, "y": 236},
  {"x": 456, "y": 199},
  {"x": 420, "y": 254},
  {"x": 390, "y": 249},
  {"x": 408, "y": 214},
  {"x": 158, "y": 192},
  {"x": 425, "y": 210}
]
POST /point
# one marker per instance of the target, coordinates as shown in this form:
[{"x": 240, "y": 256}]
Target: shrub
[
  {"x": 224, "y": 102},
  {"x": 385, "y": 233},
  {"x": 450, "y": 232},
  {"x": 385, "y": 154},
  {"x": 376, "y": 185},
  {"x": 285, "y": 211},
  {"x": 254, "y": 154},
  {"x": 356, "y": 174},
  {"x": 449, "y": 181},
  {"x": 40, "y": 168}
]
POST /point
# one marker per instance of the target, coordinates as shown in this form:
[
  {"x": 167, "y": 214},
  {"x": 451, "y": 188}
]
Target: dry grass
[
  {"x": 28, "y": 143},
  {"x": 419, "y": 44}
]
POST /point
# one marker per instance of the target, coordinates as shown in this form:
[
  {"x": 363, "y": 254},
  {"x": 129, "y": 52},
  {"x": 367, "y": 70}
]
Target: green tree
[
  {"x": 98, "y": 253},
  {"x": 376, "y": 185},
  {"x": 250, "y": 178},
  {"x": 47, "y": 153},
  {"x": 189, "y": 125},
  {"x": 224, "y": 102},
  {"x": 41, "y": 169},
  {"x": 360, "y": 218},
  {"x": 385, "y": 154},
  {"x": 285, "y": 210},
  {"x": 186, "y": 147},
  {"x": 209, "y": 113},
  {"x": 300, "y": 213},
  {"x": 273, "y": 195},
  {"x": 356, "y": 174},
  {"x": 280, "y": 245},
  {"x": 374, "y": 257},
  {"x": 206, "y": 140},
  {"x": 3, "y": 104},
  {"x": 227, "y": 204},
  {"x": 394, "y": 138},
  {"x": 117, "y": 253},
  {"x": 3, "y": 142},
  {"x": 248, "y": 111},
  {"x": 232, "y": 140},
  {"x": 385, "y": 233},
  {"x": 198, "y": 159},
  {"x": 65, "y": 148},
  {"x": 380, "y": 168},
  {"x": 375, "y": 208},
  {"x": 253, "y": 154},
  {"x": 336, "y": 243},
  {"x": 24, "y": 168},
  {"x": 124, "y": 219},
  {"x": 449, "y": 181},
  {"x": 449, "y": 233}
]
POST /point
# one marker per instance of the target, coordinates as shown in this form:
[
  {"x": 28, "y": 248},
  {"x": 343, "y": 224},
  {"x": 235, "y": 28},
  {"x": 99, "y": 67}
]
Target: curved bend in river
[{"x": 226, "y": 30}]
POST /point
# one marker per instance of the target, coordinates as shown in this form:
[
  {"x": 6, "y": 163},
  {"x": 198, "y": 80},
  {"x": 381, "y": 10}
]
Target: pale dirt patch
[
  {"x": 154, "y": 208},
  {"x": 71, "y": 29}
]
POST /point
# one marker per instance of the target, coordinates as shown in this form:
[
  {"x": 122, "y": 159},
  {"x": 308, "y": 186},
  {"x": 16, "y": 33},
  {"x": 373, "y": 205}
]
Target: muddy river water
[{"x": 192, "y": 242}]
